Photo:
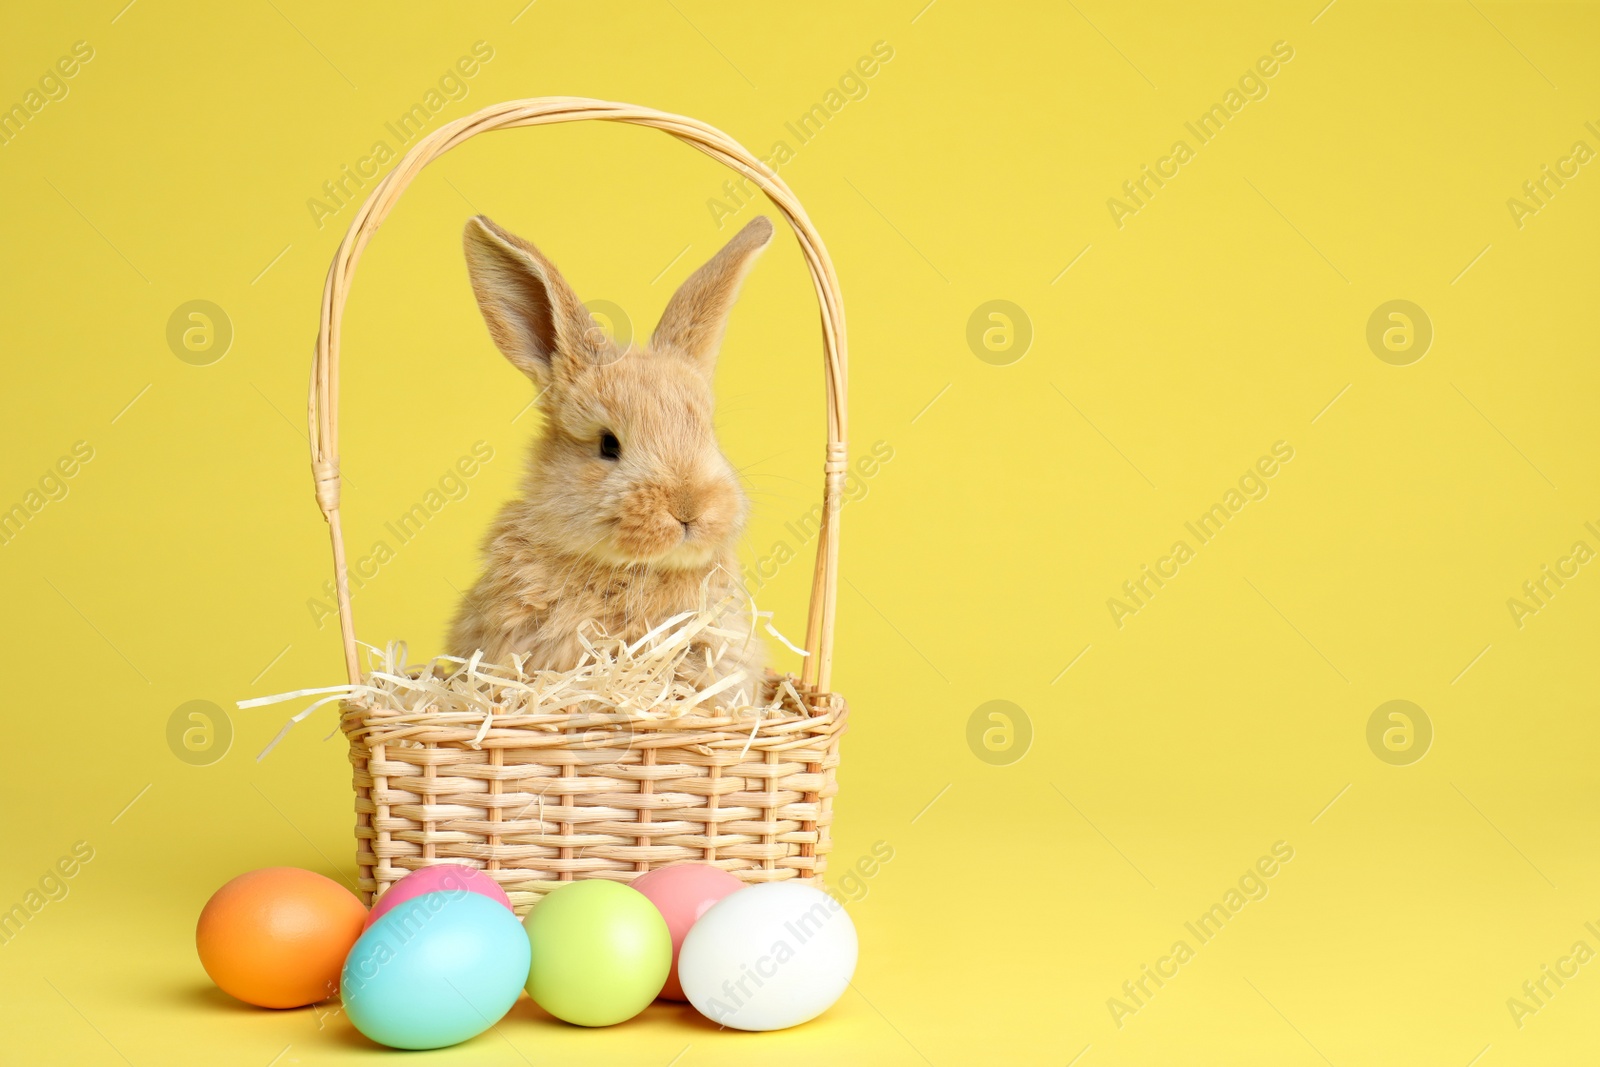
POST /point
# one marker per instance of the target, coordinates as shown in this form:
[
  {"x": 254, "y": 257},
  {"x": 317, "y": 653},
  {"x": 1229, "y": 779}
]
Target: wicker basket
[{"x": 535, "y": 801}]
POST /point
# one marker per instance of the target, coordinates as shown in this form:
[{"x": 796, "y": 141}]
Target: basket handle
[{"x": 539, "y": 111}]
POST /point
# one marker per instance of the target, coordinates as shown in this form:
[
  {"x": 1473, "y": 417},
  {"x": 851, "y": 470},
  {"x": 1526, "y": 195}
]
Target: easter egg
[
  {"x": 443, "y": 877},
  {"x": 601, "y": 952},
  {"x": 768, "y": 957},
  {"x": 436, "y": 970},
  {"x": 276, "y": 937},
  {"x": 682, "y": 893}
]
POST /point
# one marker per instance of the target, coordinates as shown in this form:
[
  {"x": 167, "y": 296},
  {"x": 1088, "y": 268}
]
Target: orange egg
[{"x": 277, "y": 937}]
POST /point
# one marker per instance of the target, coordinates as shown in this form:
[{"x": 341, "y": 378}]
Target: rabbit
[{"x": 629, "y": 512}]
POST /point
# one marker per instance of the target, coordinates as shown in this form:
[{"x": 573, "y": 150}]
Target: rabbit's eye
[{"x": 610, "y": 447}]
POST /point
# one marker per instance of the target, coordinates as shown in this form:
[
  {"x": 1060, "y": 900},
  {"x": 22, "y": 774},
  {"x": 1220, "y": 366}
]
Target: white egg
[{"x": 768, "y": 957}]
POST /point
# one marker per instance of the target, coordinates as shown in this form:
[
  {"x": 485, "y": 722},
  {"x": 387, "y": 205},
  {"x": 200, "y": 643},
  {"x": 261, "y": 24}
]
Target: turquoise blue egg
[{"x": 439, "y": 969}]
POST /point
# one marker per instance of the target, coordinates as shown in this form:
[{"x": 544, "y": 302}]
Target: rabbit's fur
[{"x": 629, "y": 512}]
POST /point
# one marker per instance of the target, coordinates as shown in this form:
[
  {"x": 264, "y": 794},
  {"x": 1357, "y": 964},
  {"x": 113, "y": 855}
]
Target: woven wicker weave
[{"x": 537, "y": 800}]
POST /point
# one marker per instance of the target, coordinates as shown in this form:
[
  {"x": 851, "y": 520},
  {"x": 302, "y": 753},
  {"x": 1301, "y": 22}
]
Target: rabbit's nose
[{"x": 685, "y": 509}]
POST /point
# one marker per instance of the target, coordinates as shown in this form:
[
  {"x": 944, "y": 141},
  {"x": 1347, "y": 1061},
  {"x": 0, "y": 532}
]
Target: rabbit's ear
[
  {"x": 533, "y": 315},
  {"x": 693, "y": 322}
]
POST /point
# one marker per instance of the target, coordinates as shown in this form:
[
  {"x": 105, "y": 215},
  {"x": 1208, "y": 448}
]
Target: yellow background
[{"x": 1230, "y": 713}]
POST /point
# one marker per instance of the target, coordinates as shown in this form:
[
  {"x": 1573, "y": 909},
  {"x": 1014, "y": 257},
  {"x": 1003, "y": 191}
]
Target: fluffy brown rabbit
[{"x": 629, "y": 512}]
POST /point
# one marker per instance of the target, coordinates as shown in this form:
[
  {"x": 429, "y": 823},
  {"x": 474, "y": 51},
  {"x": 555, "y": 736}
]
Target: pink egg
[
  {"x": 445, "y": 877},
  {"x": 683, "y": 893}
]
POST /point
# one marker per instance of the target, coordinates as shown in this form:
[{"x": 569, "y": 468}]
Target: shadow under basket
[
  {"x": 537, "y": 799},
  {"x": 544, "y": 799}
]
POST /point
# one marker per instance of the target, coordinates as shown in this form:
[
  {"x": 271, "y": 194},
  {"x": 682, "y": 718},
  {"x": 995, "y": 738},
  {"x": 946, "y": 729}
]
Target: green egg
[{"x": 600, "y": 952}]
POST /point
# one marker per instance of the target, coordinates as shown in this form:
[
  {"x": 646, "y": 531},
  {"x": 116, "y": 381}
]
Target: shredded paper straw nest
[{"x": 613, "y": 698}]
